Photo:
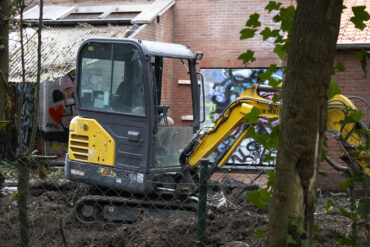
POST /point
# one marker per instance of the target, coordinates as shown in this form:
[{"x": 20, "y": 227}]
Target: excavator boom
[{"x": 234, "y": 117}]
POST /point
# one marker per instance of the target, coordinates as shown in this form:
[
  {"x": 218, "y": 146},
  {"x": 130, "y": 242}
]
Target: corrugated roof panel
[
  {"x": 59, "y": 50},
  {"x": 49, "y": 12}
]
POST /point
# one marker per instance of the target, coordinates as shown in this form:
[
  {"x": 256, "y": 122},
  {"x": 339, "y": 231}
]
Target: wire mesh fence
[{"x": 62, "y": 212}]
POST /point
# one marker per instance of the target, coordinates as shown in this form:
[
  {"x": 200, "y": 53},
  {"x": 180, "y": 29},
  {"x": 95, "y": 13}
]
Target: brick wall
[{"x": 213, "y": 27}]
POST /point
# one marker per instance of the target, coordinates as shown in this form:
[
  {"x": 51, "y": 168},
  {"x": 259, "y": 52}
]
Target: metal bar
[{"x": 202, "y": 202}]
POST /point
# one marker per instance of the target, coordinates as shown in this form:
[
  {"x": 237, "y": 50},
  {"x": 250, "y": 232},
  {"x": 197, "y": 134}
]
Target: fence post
[
  {"x": 202, "y": 202},
  {"x": 23, "y": 181}
]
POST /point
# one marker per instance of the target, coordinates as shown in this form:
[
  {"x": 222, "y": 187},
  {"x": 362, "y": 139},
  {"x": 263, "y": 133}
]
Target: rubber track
[{"x": 101, "y": 201}]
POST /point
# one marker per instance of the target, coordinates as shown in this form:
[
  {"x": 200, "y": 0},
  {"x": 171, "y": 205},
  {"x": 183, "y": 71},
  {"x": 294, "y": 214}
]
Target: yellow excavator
[{"x": 123, "y": 140}]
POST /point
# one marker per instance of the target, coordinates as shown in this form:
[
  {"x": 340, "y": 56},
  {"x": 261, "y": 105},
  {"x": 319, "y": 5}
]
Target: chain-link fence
[{"x": 62, "y": 212}]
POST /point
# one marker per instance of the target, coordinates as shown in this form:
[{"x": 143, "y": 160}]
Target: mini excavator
[{"x": 117, "y": 141}]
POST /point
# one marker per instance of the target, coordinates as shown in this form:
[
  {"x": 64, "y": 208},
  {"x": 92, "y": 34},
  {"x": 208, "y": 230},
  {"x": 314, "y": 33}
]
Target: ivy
[
  {"x": 268, "y": 76},
  {"x": 247, "y": 33},
  {"x": 270, "y": 179},
  {"x": 260, "y": 197},
  {"x": 281, "y": 50},
  {"x": 268, "y": 141},
  {"x": 269, "y": 72},
  {"x": 360, "y": 15},
  {"x": 272, "y": 5},
  {"x": 286, "y": 18},
  {"x": 333, "y": 90},
  {"x": 353, "y": 116},
  {"x": 362, "y": 56},
  {"x": 253, "y": 21},
  {"x": 247, "y": 56},
  {"x": 364, "y": 208},
  {"x": 339, "y": 66},
  {"x": 259, "y": 233},
  {"x": 253, "y": 117},
  {"x": 268, "y": 33},
  {"x": 290, "y": 240}
]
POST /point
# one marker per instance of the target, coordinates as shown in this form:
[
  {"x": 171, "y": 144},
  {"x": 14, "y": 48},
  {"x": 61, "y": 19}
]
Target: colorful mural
[{"x": 223, "y": 86}]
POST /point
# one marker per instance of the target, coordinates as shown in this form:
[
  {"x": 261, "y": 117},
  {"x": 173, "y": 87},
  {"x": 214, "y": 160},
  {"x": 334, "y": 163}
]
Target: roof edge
[
  {"x": 156, "y": 8},
  {"x": 344, "y": 46}
]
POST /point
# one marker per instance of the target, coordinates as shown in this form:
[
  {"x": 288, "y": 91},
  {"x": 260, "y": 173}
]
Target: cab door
[{"x": 113, "y": 88}]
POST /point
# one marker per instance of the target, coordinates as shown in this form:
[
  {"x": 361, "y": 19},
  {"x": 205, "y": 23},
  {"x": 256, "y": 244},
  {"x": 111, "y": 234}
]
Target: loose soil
[{"x": 50, "y": 210}]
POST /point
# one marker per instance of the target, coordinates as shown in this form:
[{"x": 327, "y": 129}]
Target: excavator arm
[{"x": 234, "y": 116}]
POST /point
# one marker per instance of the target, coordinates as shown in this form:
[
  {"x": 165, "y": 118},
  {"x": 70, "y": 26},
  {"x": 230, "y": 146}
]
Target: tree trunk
[
  {"x": 303, "y": 119},
  {"x": 4, "y": 57}
]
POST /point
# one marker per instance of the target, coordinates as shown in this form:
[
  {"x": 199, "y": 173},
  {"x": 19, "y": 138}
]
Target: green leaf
[
  {"x": 356, "y": 116},
  {"x": 270, "y": 178},
  {"x": 339, "y": 66},
  {"x": 275, "y": 82},
  {"x": 272, "y": 5},
  {"x": 286, "y": 17},
  {"x": 345, "y": 212},
  {"x": 268, "y": 157},
  {"x": 15, "y": 195},
  {"x": 281, "y": 51},
  {"x": 353, "y": 116},
  {"x": 268, "y": 33},
  {"x": 324, "y": 174},
  {"x": 268, "y": 141},
  {"x": 259, "y": 233},
  {"x": 247, "y": 33},
  {"x": 269, "y": 72},
  {"x": 276, "y": 98},
  {"x": 305, "y": 243},
  {"x": 247, "y": 56},
  {"x": 364, "y": 208},
  {"x": 349, "y": 183},
  {"x": 333, "y": 90},
  {"x": 290, "y": 240},
  {"x": 271, "y": 120},
  {"x": 253, "y": 116},
  {"x": 362, "y": 55},
  {"x": 360, "y": 16},
  {"x": 342, "y": 239},
  {"x": 329, "y": 205},
  {"x": 260, "y": 197},
  {"x": 3, "y": 127},
  {"x": 253, "y": 20},
  {"x": 316, "y": 228},
  {"x": 324, "y": 152}
]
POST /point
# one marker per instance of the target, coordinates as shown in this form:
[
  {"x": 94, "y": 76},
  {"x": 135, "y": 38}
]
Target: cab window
[{"x": 111, "y": 78}]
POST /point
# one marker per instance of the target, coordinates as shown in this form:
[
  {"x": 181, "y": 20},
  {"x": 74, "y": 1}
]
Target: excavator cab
[{"x": 122, "y": 137}]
